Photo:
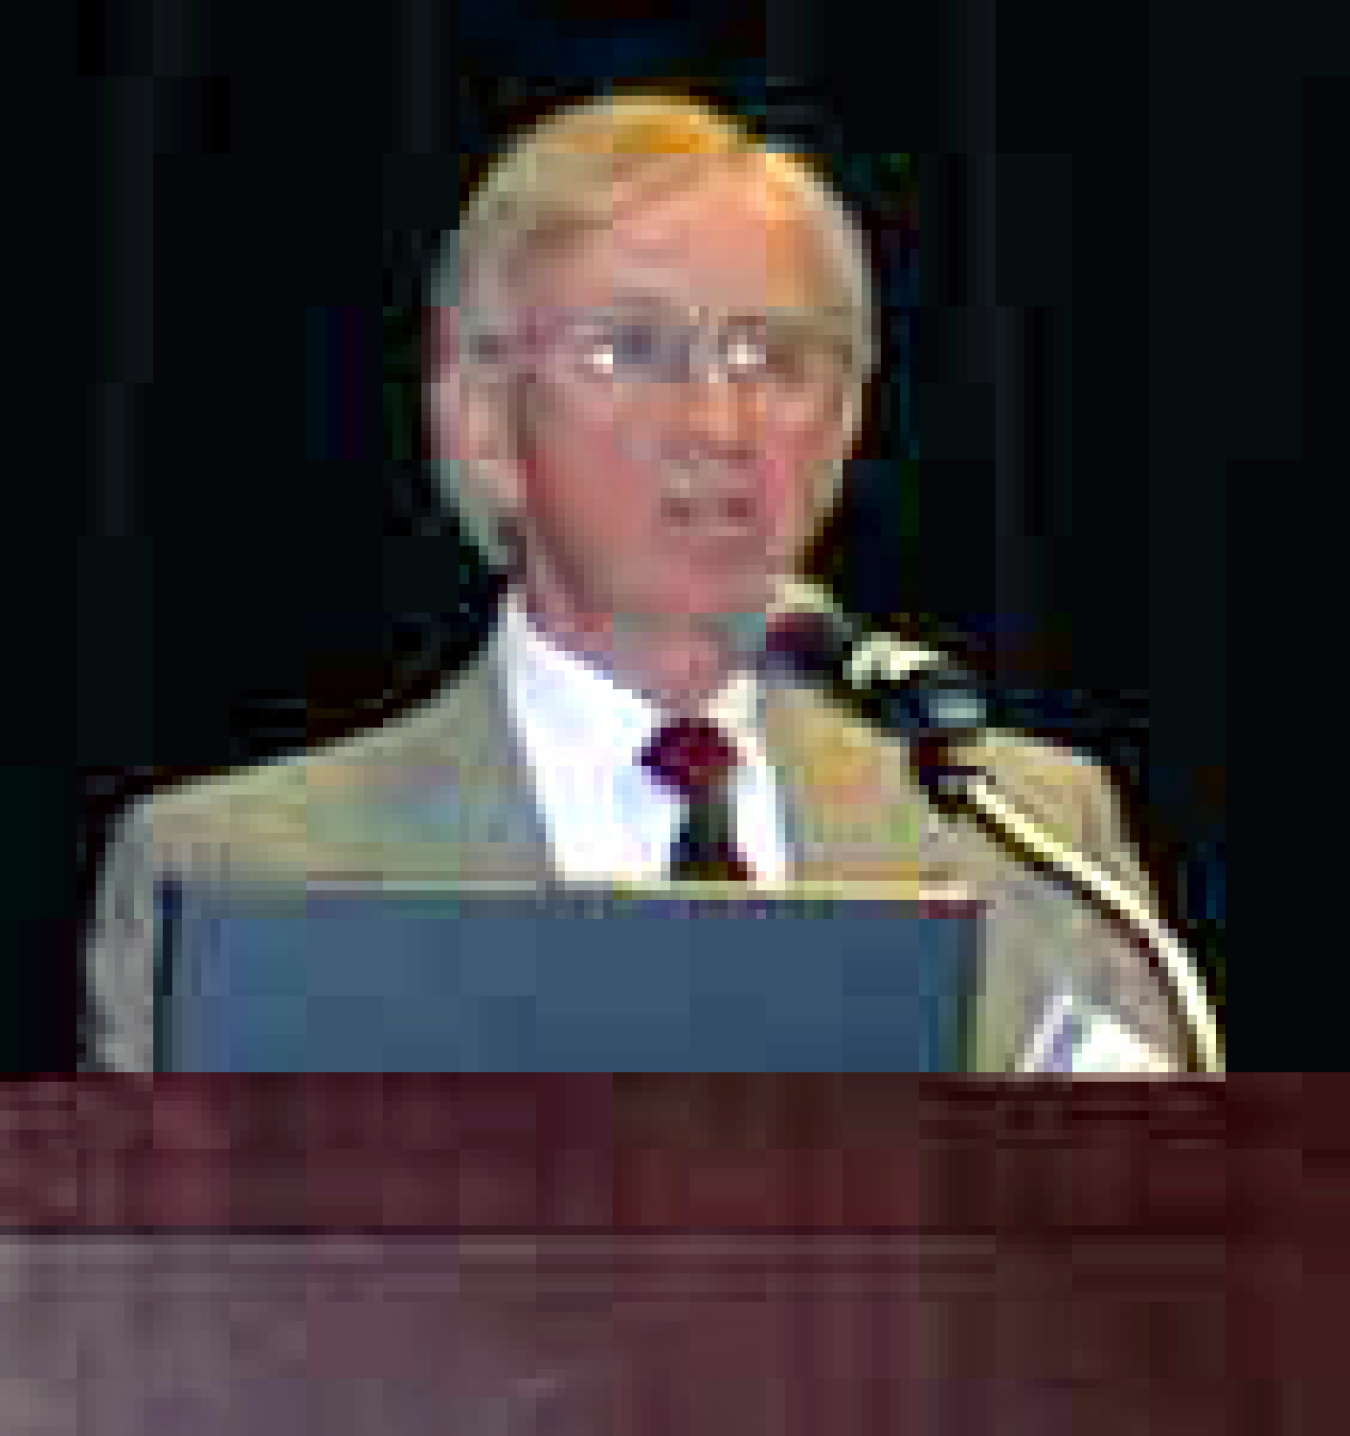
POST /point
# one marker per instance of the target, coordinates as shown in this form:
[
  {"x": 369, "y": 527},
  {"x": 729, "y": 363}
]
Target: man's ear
[{"x": 467, "y": 409}]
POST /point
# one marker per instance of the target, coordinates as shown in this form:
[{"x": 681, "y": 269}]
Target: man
[{"x": 648, "y": 363}]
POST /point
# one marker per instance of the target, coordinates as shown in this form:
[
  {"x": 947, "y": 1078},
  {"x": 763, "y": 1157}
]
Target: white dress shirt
[{"x": 607, "y": 818}]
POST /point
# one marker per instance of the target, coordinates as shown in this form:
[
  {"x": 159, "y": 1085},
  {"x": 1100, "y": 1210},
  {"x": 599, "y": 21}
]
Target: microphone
[
  {"x": 904, "y": 689},
  {"x": 923, "y": 697},
  {"x": 929, "y": 698}
]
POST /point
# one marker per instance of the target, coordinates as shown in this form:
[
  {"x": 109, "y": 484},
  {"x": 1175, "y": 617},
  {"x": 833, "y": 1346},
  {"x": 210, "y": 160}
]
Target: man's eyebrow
[{"x": 649, "y": 299}]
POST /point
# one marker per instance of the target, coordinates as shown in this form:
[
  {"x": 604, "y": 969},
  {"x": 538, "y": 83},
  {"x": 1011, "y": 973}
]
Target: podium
[{"x": 688, "y": 977}]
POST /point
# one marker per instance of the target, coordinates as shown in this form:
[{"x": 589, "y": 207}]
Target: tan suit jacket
[{"x": 444, "y": 792}]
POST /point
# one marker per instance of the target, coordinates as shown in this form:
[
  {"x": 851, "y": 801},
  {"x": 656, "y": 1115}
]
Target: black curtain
[{"x": 262, "y": 563}]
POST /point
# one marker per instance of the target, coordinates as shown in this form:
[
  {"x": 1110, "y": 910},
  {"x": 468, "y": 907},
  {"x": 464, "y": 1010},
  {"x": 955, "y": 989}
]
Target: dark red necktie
[{"x": 694, "y": 759}]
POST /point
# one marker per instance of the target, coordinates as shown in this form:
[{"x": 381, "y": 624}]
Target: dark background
[{"x": 1075, "y": 253}]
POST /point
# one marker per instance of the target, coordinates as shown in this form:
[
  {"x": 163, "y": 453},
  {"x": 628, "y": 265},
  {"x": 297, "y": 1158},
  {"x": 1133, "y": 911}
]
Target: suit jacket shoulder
[{"x": 435, "y": 791}]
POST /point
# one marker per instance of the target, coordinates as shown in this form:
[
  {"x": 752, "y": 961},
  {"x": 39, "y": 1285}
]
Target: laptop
[{"x": 427, "y": 977}]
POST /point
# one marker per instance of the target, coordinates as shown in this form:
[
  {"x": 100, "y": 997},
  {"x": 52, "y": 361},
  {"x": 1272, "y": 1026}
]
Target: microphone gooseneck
[{"x": 921, "y": 697}]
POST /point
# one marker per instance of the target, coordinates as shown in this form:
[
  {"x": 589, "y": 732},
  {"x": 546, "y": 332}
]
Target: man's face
[{"x": 628, "y": 495}]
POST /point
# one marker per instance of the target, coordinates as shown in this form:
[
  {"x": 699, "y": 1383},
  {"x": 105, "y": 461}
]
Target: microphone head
[
  {"x": 936, "y": 703},
  {"x": 908, "y": 691}
]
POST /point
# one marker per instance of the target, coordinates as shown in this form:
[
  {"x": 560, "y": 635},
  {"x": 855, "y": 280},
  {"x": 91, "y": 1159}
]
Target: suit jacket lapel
[
  {"x": 853, "y": 810},
  {"x": 501, "y": 832}
]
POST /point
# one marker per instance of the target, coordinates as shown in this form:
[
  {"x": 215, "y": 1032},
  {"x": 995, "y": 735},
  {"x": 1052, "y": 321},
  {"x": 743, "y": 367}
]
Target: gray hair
[{"x": 560, "y": 179}]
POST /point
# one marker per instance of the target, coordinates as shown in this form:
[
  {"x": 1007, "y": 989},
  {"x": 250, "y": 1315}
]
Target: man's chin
[
  {"x": 698, "y": 595},
  {"x": 687, "y": 608}
]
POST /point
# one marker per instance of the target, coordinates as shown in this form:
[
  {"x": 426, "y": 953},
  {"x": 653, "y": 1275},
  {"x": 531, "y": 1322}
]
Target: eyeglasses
[{"x": 795, "y": 359}]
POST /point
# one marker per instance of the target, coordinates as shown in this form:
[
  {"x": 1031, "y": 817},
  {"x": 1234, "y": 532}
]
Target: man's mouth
[{"x": 719, "y": 520}]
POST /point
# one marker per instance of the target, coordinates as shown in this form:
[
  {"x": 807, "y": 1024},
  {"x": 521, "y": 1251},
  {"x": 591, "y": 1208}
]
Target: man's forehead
[
  {"x": 721, "y": 194},
  {"x": 718, "y": 243}
]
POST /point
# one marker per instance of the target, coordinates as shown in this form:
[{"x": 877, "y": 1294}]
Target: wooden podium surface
[{"x": 748, "y": 1256}]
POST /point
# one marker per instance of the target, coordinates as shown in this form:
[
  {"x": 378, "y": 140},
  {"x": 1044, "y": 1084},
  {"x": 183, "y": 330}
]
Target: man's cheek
[
  {"x": 779, "y": 467},
  {"x": 608, "y": 492},
  {"x": 787, "y": 488},
  {"x": 623, "y": 489}
]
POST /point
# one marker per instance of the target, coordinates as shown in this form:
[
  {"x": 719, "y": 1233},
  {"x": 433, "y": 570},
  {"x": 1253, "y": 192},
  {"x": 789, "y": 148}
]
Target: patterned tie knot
[{"x": 691, "y": 757}]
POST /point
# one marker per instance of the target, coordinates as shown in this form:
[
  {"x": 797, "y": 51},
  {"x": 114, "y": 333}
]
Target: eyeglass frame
[{"x": 541, "y": 328}]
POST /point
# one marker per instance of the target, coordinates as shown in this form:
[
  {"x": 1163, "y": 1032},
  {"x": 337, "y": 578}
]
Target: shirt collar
[{"x": 589, "y": 711}]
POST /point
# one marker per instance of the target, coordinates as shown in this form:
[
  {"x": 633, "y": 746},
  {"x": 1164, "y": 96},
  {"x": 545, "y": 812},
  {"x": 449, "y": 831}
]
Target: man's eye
[
  {"x": 768, "y": 353},
  {"x": 624, "y": 346},
  {"x": 789, "y": 361},
  {"x": 636, "y": 344}
]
